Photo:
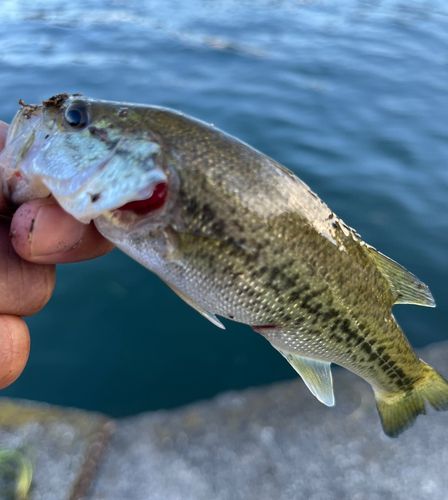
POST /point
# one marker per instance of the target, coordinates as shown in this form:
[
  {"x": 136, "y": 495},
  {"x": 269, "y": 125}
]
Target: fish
[{"x": 235, "y": 234}]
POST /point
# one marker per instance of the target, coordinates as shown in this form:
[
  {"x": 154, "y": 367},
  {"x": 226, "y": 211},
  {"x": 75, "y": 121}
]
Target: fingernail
[{"x": 52, "y": 231}]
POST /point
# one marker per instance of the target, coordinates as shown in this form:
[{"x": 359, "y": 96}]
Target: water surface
[{"x": 351, "y": 95}]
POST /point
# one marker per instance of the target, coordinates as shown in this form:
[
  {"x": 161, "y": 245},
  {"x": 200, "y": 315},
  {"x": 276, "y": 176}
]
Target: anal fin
[
  {"x": 406, "y": 287},
  {"x": 316, "y": 375}
]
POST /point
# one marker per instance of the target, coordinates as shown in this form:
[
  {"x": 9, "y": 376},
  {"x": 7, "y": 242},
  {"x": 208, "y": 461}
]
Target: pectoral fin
[
  {"x": 210, "y": 316},
  {"x": 316, "y": 375},
  {"x": 406, "y": 287}
]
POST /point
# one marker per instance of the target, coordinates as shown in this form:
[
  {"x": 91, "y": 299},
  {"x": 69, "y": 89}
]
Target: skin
[{"x": 27, "y": 267}]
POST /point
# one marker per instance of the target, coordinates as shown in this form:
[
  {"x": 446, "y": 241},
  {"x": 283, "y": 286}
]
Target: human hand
[{"x": 39, "y": 235}]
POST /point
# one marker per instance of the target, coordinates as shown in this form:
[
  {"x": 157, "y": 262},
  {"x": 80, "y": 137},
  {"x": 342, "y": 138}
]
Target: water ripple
[{"x": 351, "y": 95}]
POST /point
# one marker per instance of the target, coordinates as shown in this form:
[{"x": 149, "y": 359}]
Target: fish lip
[
  {"x": 116, "y": 224},
  {"x": 91, "y": 212}
]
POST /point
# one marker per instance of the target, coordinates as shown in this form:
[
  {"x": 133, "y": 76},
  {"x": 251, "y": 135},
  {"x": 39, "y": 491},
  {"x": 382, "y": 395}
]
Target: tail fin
[{"x": 398, "y": 410}]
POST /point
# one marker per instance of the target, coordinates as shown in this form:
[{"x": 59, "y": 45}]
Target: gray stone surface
[
  {"x": 63, "y": 445},
  {"x": 274, "y": 442},
  {"x": 278, "y": 443}
]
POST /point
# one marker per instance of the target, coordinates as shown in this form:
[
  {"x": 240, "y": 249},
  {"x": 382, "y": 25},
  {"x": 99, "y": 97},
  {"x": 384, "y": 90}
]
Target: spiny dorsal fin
[
  {"x": 406, "y": 287},
  {"x": 316, "y": 375}
]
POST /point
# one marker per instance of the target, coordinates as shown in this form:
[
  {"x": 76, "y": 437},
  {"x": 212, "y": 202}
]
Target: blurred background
[{"x": 350, "y": 95}]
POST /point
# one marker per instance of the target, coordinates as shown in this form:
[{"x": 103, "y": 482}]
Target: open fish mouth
[
  {"x": 90, "y": 195},
  {"x": 91, "y": 201},
  {"x": 88, "y": 175},
  {"x": 149, "y": 204}
]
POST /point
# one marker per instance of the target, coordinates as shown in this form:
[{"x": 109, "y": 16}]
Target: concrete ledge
[
  {"x": 273, "y": 442},
  {"x": 63, "y": 445}
]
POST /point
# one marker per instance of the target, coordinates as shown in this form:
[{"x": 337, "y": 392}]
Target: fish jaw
[
  {"x": 101, "y": 188},
  {"x": 22, "y": 143},
  {"x": 87, "y": 174}
]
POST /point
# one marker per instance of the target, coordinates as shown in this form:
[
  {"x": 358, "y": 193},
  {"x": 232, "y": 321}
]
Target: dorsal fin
[
  {"x": 406, "y": 287},
  {"x": 316, "y": 375}
]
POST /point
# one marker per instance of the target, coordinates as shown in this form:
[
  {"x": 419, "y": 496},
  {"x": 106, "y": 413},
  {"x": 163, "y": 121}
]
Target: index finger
[{"x": 3, "y": 132}]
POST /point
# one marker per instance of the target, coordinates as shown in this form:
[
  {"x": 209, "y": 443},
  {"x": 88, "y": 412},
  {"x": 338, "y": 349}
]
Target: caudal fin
[{"x": 398, "y": 410}]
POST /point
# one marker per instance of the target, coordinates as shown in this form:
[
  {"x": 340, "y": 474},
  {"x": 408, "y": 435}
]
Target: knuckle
[
  {"x": 42, "y": 290},
  {"x": 24, "y": 288}
]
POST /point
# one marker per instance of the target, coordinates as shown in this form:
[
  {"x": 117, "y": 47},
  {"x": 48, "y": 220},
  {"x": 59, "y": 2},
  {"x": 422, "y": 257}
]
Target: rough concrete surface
[
  {"x": 63, "y": 446},
  {"x": 274, "y": 442}
]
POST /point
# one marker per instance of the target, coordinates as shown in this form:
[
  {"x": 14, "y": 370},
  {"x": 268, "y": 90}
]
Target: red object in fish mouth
[{"x": 155, "y": 201}]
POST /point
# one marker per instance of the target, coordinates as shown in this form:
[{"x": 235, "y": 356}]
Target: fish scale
[
  {"x": 308, "y": 309},
  {"x": 297, "y": 316},
  {"x": 234, "y": 234}
]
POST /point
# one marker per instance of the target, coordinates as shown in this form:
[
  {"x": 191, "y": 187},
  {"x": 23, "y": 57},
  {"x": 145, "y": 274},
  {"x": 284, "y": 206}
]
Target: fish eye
[{"x": 76, "y": 115}]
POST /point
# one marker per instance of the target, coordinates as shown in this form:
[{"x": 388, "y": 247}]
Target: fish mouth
[
  {"x": 99, "y": 189},
  {"x": 85, "y": 196},
  {"x": 89, "y": 203},
  {"x": 148, "y": 205}
]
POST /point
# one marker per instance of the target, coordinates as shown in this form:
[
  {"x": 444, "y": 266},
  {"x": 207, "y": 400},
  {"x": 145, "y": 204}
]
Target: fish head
[{"x": 93, "y": 156}]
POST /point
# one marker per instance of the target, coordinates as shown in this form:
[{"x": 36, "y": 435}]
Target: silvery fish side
[{"x": 233, "y": 233}]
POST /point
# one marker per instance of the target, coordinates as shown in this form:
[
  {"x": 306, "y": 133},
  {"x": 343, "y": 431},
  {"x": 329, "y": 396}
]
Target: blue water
[{"x": 351, "y": 95}]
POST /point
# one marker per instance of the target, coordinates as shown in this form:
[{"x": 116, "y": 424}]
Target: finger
[
  {"x": 43, "y": 233},
  {"x": 3, "y": 132},
  {"x": 25, "y": 288},
  {"x": 14, "y": 348}
]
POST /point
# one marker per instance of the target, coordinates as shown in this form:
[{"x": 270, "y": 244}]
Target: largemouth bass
[{"x": 232, "y": 232}]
